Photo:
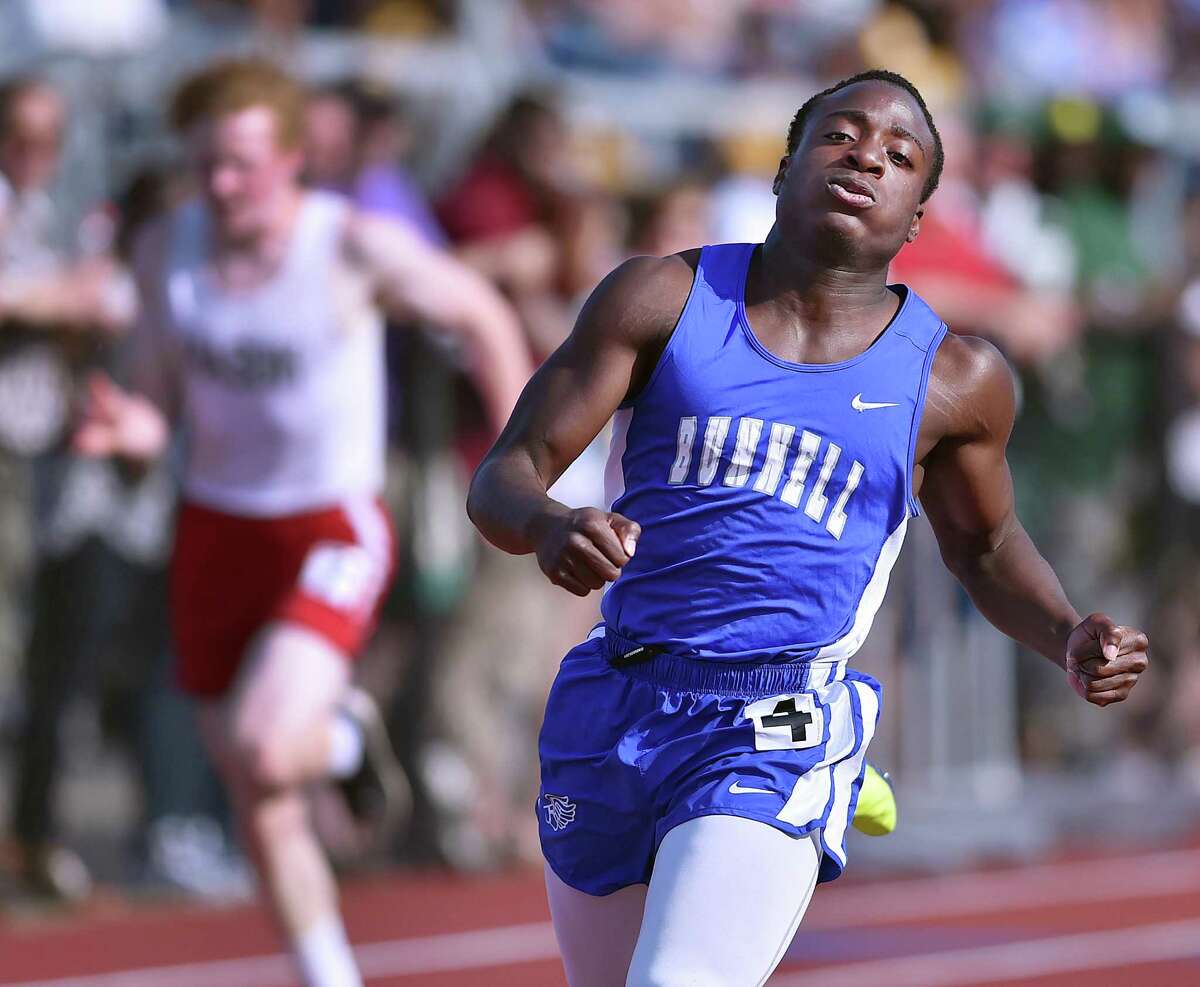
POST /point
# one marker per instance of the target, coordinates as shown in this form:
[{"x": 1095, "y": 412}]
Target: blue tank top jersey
[{"x": 773, "y": 496}]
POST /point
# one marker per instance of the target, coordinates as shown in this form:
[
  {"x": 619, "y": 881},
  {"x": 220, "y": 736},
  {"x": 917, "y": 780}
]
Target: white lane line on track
[
  {"x": 980, "y": 892},
  {"x": 1088, "y": 881},
  {"x": 252, "y": 971},
  {"x": 1012, "y": 960},
  {"x": 393, "y": 958}
]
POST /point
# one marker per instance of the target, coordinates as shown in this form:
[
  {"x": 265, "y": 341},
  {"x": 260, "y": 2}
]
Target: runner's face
[
  {"x": 859, "y": 170},
  {"x": 244, "y": 172}
]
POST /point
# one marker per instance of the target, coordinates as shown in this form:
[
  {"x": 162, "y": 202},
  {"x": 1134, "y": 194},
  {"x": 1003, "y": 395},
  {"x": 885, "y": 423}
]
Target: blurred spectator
[
  {"x": 32, "y": 403},
  {"x": 282, "y": 18},
  {"x": 640, "y": 36},
  {"x": 523, "y": 215},
  {"x": 1025, "y": 49},
  {"x": 1178, "y": 580},
  {"x": 1089, "y": 165},
  {"x": 100, "y": 537},
  {"x": 53, "y": 301},
  {"x": 355, "y": 141},
  {"x": 777, "y": 38},
  {"x": 951, "y": 266},
  {"x": 916, "y": 39},
  {"x": 413, "y": 18},
  {"x": 405, "y": 18},
  {"x": 513, "y": 181},
  {"x": 36, "y": 308},
  {"x": 1014, "y": 216},
  {"x": 678, "y": 218}
]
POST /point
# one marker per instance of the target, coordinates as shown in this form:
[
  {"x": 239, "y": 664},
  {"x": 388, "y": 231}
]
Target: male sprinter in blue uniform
[{"x": 779, "y": 409}]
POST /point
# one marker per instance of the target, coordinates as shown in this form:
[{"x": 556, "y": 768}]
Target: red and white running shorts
[{"x": 326, "y": 570}]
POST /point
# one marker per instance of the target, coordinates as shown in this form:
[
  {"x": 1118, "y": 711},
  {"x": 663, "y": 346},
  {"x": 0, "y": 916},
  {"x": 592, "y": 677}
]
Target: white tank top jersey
[{"x": 283, "y": 385}]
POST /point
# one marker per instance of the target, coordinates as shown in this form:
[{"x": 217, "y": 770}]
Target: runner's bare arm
[
  {"x": 415, "y": 279},
  {"x": 74, "y": 298},
  {"x": 966, "y": 489},
  {"x": 154, "y": 369},
  {"x": 135, "y": 424},
  {"x": 607, "y": 358}
]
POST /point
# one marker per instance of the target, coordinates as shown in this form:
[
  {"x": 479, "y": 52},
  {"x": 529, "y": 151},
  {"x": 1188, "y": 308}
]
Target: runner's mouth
[{"x": 852, "y": 192}]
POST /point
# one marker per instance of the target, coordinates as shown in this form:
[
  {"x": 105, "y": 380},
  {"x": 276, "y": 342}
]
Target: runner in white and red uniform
[
  {"x": 282, "y": 397},
  {"x": 261, "y": 335}
]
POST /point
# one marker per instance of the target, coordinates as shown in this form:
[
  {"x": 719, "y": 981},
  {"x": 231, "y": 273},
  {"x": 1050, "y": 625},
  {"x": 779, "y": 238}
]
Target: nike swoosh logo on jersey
[
  {"x": 858, "y": 404},
  {"x": 737, "y": 788}
]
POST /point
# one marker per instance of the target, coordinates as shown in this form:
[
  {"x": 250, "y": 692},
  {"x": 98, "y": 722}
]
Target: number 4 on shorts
[{"x": 783, "y": 723}]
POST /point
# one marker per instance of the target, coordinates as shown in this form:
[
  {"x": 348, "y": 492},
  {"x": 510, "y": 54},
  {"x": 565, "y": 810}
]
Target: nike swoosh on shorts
[{"x": 737, "y": 788}]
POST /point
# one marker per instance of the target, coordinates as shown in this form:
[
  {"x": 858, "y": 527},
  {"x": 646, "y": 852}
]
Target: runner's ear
[
  {"x": 915, "y": 226},
  {"x": 780, "y": 172}
]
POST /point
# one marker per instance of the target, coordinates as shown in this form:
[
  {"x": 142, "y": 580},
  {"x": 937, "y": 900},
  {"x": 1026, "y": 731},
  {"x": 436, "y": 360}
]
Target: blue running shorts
[{"x": 636, "y": 742}]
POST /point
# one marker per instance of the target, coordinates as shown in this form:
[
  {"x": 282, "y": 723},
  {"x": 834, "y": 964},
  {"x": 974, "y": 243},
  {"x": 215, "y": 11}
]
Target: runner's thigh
[
  {"x": 292, "y": 680},
  {"x": 595, "y": 933},
  {"x": 726, "y": 896}
]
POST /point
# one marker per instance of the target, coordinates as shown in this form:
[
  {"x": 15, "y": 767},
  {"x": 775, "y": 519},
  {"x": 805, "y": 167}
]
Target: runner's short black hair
[{"x": 796, "y": 130}]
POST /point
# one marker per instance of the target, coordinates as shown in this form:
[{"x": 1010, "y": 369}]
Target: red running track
[{"x": 1100, "y": 922}]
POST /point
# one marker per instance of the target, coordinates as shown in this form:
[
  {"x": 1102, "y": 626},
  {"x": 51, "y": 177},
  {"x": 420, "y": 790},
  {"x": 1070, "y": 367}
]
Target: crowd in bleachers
[{"x": 1066, "y": 230}]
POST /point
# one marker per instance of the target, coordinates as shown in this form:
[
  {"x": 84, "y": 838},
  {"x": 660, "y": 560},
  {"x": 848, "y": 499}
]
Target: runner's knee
[
  {"x": 267, "y": 760},
  {"x": 273, "y": 818}
]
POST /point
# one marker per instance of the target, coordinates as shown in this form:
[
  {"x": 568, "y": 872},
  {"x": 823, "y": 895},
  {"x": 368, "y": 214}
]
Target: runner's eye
[{"x": 900, "y": 158}]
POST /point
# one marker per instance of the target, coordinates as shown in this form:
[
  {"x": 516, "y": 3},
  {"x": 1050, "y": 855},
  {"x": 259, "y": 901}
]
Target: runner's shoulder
[
  {"x": 971, "y": 387},
  {"x": 640, "y": 301}
]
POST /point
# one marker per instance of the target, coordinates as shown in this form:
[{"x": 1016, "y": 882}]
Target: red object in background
[
  {"x": 472, "y": 445},
  {"x": 492, "y": 199},
  {"x": 947, "y": 250}
]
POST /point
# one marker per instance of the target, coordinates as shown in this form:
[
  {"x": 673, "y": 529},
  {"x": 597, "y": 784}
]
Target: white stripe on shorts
[
  {"x": 810, "y": 796},
  {"x": 846, "y": 772},
  {"x": 369, "y": 522},
  {"x": 370, "y": 527}
]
